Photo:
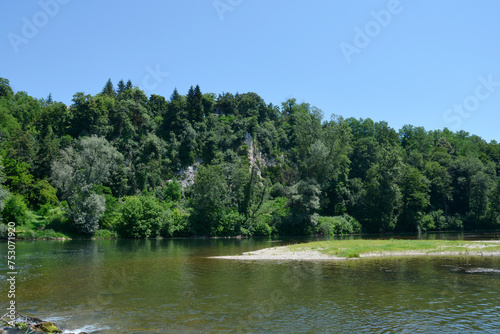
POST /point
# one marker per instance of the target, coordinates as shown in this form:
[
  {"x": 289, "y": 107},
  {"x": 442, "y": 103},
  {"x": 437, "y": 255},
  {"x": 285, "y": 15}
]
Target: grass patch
[
  {"x": 355, "y": 248},
  {"x": 30, "y": 234}
]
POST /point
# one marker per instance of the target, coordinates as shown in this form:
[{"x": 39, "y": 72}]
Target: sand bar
[{"x": 285, "y": 253}]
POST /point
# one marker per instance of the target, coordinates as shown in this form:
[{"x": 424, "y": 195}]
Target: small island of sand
[{"x": 361, "y": 248}]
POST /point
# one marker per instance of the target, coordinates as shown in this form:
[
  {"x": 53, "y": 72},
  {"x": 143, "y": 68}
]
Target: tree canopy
[{"x": 231, "y": 164}]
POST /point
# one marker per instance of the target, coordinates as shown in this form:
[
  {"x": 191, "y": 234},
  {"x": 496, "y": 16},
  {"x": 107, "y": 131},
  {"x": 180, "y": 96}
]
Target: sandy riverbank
[
  {"x": 280, "y": 253},
  {"x": 285, "y": 253}
]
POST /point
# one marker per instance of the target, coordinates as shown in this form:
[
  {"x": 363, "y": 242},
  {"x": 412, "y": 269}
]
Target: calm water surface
[{"x": 171, "y": 286}]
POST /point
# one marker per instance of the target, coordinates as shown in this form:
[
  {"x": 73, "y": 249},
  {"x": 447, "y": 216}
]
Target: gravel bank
[
  {"x": 280, "y": 253},
  {"x": 284, "y": 253}
]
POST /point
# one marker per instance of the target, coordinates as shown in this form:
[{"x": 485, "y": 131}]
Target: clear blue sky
[{"x": 409, "y": 68}]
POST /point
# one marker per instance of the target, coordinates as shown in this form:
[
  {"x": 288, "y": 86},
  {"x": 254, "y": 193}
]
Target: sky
[{"x": 426, "y": 63}]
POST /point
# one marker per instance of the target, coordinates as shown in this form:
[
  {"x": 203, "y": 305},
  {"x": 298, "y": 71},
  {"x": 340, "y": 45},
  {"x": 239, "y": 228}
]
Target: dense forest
[{"x": 121, "y": 163}]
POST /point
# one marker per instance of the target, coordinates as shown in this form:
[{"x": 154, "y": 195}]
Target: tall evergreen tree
[
  {"x": 121, "y": 87},
  {"x": 108, "y": 89},
  {"x": 194, "y": 106},
  {"x": 128, "y": 85}
]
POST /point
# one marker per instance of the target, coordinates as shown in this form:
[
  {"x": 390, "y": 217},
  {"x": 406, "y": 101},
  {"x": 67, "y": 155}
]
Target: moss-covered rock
[{"x": 47, "y": 327}]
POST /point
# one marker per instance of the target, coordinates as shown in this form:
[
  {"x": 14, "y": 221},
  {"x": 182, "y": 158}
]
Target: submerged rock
[
  {"x": 26, "y": 324},
  {"x": 47, "y": 327}
]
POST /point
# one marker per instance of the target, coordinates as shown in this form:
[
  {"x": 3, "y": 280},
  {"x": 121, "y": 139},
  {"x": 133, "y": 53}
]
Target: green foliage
[
  {"x": 141, "y": 217},
  {"x": 76, "y": 173},
  {"x": 4, "y": 193},
  {"x": 170, "y": 192},
  {"x": 105, "y": 234},
  {"x": 258, "y": 169},
  {"x": 210, "y": 197},
  {"x": 177, "y": 225},
  {"x": 338, "y": 225},
  {"x": 229, "y": 224},
  {"x": 15, "y": 210}
]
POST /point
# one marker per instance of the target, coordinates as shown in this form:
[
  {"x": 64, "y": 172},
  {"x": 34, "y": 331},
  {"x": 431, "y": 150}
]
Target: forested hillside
[{"x": 202, "y": 164}]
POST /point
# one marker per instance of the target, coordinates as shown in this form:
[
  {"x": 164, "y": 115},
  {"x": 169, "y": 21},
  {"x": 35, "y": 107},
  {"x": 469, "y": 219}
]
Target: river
[{"x": 171, "y": 286}]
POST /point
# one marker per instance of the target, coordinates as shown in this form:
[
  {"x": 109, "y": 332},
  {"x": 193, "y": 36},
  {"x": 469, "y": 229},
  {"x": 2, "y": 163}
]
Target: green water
[{"x": 170, "y": 286}]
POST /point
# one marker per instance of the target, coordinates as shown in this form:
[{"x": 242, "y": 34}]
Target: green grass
[{"x": 354, "y": 248}]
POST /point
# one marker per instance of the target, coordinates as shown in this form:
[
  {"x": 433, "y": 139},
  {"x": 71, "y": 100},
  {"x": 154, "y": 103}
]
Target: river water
[{"x": 171, "y": 286}]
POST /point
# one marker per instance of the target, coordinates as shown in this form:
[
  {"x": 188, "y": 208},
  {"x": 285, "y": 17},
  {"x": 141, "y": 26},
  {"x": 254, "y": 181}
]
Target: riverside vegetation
[{"x": 120, "y": 163}]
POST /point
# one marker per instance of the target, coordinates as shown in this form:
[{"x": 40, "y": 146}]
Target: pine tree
[
  {"x": 199, "y": 104},
  {"x": 108, "y": 89},
  {"x": 128, "y": 85},
  {"x": 194, "y": 104},
  {"x": 121, "y": 87}
]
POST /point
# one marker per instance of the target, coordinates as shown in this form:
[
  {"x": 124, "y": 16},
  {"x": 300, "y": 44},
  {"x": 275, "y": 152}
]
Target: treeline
[{"x": 122, "y": 163}]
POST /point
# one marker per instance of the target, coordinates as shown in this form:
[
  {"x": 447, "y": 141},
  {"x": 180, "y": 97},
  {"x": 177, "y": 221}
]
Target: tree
[
  {"x": 120, "y": 87},
  {"x": 128, "y": 85},
  {"x": 78, "y": 171},
  {"x": 304, "y": 204},
  {"x": 25, "y": 109},
  {"x": 210, "y": 197},
  {"x": 5, "y": 89},
  {"x": 15, "y": 209},
  {"x": 382, "y": 195},
  {"x": 415, "y": 199},
  {"x": 90, "y": 114},
  {"x": 141, "y": 217},
  {"x": 108, "y": 89},
  {"x": 194, "y": 106}
]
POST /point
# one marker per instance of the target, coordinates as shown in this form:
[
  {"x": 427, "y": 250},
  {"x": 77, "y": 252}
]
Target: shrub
[
  {"x": 15, "y": 210},
  {"x": 263, "y": 229},
  {"x": 176, "y": 225},
  {"x": 170, "y": 192},
  {"x": 433, "y": 220},
  {"x": 229, "y": 224},
  {"x": 142, "y": 217},
  {"x": 40, "y": 234},
  {"x": 338, "y": 225},
  {"x": 105, "y": 234}
]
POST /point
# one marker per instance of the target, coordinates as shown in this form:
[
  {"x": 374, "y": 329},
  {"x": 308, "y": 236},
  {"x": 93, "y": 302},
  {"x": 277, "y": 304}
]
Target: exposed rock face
[
  {"x": 256, "y": 159},
  {"x": 187, "y": 174},
  {"x": 252, "y": 157}
]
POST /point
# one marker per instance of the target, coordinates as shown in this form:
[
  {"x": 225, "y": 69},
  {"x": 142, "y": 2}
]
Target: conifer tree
[
  {"x": 121, "y": 87},
  {"x": 108, "y": 89},
  {"x": 128, "y": 85}
]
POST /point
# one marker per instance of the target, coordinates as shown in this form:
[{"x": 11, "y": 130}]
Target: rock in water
[{"x": 47, "y": 327}]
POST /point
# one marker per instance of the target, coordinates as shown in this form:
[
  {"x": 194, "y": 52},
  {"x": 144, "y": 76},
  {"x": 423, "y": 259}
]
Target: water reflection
[{"x": 170, "y": 286}]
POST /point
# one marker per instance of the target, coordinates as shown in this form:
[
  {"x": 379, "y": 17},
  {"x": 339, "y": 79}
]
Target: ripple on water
[
  {"x": 90, "y": 329},
  {"x": 481, "y": 271}
]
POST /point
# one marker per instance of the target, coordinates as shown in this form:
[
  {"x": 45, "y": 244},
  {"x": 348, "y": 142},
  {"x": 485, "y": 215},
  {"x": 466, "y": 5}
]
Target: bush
[
  {"x": 229, "y": 224},
  {"x": 40, "y": 234},
  {"x": 170, "y": 192},
  {"x": 58, "y": 220},
  {"x": 176, "y": 225},
  {"x": 338, "y": 225},
  {"x": 263, "y": 229},
  {"x": 15, "y": 210},
  {"x": 142, "y": 217},
  {"x": 105, "y": 234},
  {"x": 454, "y": 223},
  {"x": 433, "y": 220},
  {"x": 112, "y": 214}
]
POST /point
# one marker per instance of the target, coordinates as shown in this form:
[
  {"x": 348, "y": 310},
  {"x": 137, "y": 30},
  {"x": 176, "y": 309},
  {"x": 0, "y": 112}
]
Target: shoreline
[{"x": 285, "y": 253}]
